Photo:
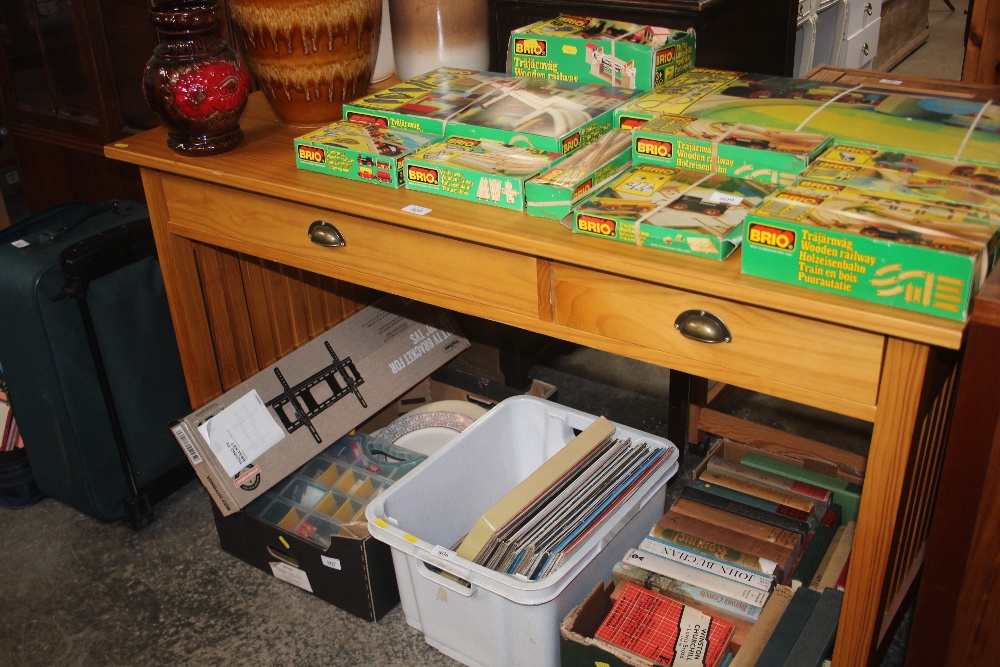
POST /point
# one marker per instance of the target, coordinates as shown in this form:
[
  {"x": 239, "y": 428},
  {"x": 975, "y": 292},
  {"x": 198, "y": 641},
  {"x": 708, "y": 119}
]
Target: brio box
[
  {"x": 554, "y": 193},
  {"x": 545, "y": 114},
  {"x": 260, "y": 431},
  {"x": 886, "y": 257},
  {"x": 424, "y": 103},
  {"x": 864, "y": 168},
  {"x": 359, "y": 151},
  {"x": 477, "y": 170},
  {"x": 734, "y": 149},
  {"x": 835, "y": 195},
  {"x": 672, "y": 209},
  {"x": 883, "y": 118},
  {"x": 591, "y": 50}
]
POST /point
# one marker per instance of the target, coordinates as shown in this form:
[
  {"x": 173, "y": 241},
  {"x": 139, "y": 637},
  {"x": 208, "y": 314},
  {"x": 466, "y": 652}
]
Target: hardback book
[
  {"x": 844, "y": 493},
  {"x": 726, "y": 519},
  {"x": 789, "y": 627},
  {"x": 825, "y": 563},
  {"x": 778, "y": 553},
  {"x": 842, "y": 579},
  {"x": 839, "y": 553},
  {"x": 815, "y": 642},
  {"x": 813, "y": 552},
  {"x": 792, "y": 485},
  {"x": 705, "y": 599},
  {"x": 753, "y": 488},
  {"x": 696, "y": 577},
  {"x": 657, "y": 628},
  {"x": 721, "y": 552},
  {"x": 756, "y": 501},
  {"x": 745, "y": 511},
  {"x": 765, "y": 582},
  {"x": 755, "y": 641}
]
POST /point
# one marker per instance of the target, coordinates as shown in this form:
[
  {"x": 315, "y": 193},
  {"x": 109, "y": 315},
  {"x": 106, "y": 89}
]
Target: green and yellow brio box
[
  {"x": 477, "y": 170},
  {"x": 691, "y": 212},
  {"x": 424, "y": 103},
  {"x": 885, "y": 257},
  {"x": 899, "y": 173},
  {"x": 554, "y": 193},
  {"x": 358, "y": 151},
  {"x": 734, "y": 149},
  {"x": 592, "y": 50}
]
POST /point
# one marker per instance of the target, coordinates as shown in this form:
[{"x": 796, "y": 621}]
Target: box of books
[
  {"x": 734, "y": 149},
  {"x": 359, "y": 151},
  {"x": 592, "y": 50},
  {"x": 501, "y": 491},
  {"x": 545, "y": 114},
  {"x": 477, "y": 170},
  {"x": 899, "y": 173},
  {"x": 672, "y": 209},
  {"x": 424, "y": 103},
  {"x": 889, "y": 257},
  {"x": 883, "y": 118},
  {"x": 554, "y": 192}
]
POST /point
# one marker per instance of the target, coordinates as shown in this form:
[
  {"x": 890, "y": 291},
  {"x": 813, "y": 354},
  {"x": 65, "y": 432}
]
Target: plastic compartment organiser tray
[{"x": 473, "y": 614}]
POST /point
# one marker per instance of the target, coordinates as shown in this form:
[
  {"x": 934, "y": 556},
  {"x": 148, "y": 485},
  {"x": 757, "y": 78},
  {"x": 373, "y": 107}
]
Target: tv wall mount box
[
  {"x": 593, "y": 50},
  {"x": 259, "y": 432}
]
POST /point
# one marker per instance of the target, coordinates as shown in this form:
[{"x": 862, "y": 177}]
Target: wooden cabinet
[{"x": 742, "y": 35}]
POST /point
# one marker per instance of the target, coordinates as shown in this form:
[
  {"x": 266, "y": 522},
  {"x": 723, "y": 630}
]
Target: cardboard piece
[
  {"x": 592, "y": 50},
  {"x": 262, "y": 430}
]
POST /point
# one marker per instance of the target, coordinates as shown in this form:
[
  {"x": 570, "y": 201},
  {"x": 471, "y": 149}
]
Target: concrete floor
[{"x": 78, "y": 593}]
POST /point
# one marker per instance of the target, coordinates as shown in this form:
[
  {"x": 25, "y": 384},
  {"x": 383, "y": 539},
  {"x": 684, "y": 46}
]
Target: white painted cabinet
[{"x": 836, "y": 32}]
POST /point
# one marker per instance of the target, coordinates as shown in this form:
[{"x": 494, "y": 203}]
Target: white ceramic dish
[{"x": 424, "y": 432}]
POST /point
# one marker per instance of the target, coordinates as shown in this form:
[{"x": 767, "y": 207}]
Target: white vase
[
  {"x": 384, "y": 64},
  {"x": 427, "y": 34}
]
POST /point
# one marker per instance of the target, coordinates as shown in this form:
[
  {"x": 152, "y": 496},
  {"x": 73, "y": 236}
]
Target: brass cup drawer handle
[
  {"x": 323, "y": 233},
  {"x": 703, "y": 327}
]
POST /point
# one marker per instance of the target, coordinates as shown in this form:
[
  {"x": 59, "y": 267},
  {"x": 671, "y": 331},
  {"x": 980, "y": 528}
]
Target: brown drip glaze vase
[
  {"x": 194, "y": 82},
  {"x": 309, "y": 56}
]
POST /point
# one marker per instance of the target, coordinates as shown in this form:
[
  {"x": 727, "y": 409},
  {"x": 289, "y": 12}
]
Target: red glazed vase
[
  {"x": 309, "y": 57},
  {"x": 195, "y": 83}
]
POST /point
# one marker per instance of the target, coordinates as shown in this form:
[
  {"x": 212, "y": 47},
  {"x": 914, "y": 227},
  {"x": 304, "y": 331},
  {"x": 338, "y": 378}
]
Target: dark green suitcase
[{"x": 89, "y": 355}]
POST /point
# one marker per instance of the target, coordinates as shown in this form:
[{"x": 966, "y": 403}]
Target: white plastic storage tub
[{"x": 490, "y": 618}]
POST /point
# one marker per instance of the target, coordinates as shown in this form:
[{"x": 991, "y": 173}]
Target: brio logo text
[
  {"x": 803, "y": 199},
  {"x": 583, "y": 187},
  {"x": 571, "y": 143},
  {"x": 771, "y": 237},
  {"x": 594, "y": 225},
  {"x": 310, "y": 154},
  {"x": 530, "y": 47},
  {"x": 462, "y": 141},
  {"x": 377, "y": 121},
  {"x": 664, "y": 56},
  {"x": 424, "y": 175},
  {"x": 654, "y": 147}
]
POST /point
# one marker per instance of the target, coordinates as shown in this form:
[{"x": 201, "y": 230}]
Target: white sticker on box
[
  {"x": 444, "y": 554},
  {"x": 20, "y": 243},
  {"x": 723, "y": 198},
  {"x": 241, "y": 432},
  {"x": 291, "y": 575},
  {"x": 331, "y": 562}
]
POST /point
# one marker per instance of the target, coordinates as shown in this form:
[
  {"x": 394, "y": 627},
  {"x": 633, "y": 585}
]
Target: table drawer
[
  {"x": 858, "y": 50},
  {"x": 375, "y": 254},
  {"x": 860, "y": 13},
  {"x": 768, "y": 345}
]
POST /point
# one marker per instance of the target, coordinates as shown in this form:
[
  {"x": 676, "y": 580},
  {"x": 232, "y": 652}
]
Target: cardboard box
[
  {"x": 262, "y": 430},
  {"x": 672, "y": 209},
  {"x": 349, "y": 569},
  {"x": 591, "y": 50},
  {"x": 359, "y": 151},
  {"x": 554, "y": 193},
  {"x": 887, "y": 257},
  {"x": 544, "y": 114},
  {"x": 896, "y": 172},
  {"x": 884, "y": 118},
  {"x": 424, "y": 103},
  {"x": 477, "y": 170},
  {"x": 734, "y": 149}
]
